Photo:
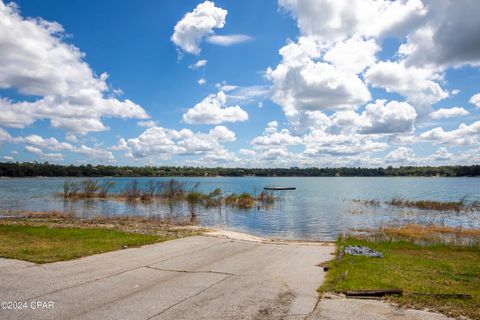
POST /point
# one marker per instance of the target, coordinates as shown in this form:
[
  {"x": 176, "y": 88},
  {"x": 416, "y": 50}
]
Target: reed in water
[{"x": 170, "y": 190}]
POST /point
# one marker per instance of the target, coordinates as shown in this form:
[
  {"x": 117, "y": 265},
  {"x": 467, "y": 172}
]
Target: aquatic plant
[
  {"x": 105, "y": 188},
  {"x": 89, "y": 188},
  {"x": 172, "y": 189},
  {"x": 132, "y": 190},
  {"x": 456, "y": 206}
]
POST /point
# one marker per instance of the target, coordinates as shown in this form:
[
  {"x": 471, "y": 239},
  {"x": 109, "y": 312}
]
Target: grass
[
  {"x": 42, "y": 244},
  {"x": 421, "y": 271}
]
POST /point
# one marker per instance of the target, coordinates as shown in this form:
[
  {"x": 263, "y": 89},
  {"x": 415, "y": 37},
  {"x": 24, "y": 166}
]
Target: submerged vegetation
[
  {"x": 171, "y": 190},
  {"x": 34, "y": 169},
  {"x": 461, "y": 205},
  {"x": 457, "y": 206}
]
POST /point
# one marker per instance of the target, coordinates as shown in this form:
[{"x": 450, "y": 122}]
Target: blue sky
[{"x": 277, "y": 84}]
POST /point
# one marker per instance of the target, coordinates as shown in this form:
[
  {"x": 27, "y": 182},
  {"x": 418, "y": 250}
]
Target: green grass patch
[
  {"x": 420, "y": 271},
  {"x": 42, "y": 244}
]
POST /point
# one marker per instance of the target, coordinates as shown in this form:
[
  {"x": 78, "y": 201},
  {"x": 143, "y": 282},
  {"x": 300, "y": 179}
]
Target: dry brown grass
[
  {"x": 422, "y": 234},
  {"x": 419, "y": 231}
]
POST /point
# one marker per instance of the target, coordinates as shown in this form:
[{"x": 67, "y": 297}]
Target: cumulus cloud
[
  {"x": 55, "y": 157},
  {"x": 36, "y": 61},
  {"x": 196, "y": 25},
  {"x": 447, "y": 37},
  {"x": 164, "y": 142},
  {"x": 319, "y": 143},
  {"x": 463, "y": 135},
  {"x": 4, "y": 136},
  {"x": 201, "y": 81},
  {"x": 449, "y": 113},
  {"x": 352, "y": 55},
  {"x": 272, "y": 137},
  {"x": 379, "y": 118},
  {"x": 37, "y": 145},
  {"x": 228, "y": 40},
  {"x": 95, "y": 154},
  {"x": 213, "y": 110},
  {"x": 302, "y": 82},
  {"x": 391, "y": 117},
  {"x": 442, "y": 154},
  {"x": 44, "y": 143},
  {"x": 199, "y": 64},
  {"x": 475, "y": 100},
  {"x": 337, "y": 20},
  {"x": 401, "y": 155},
  {"x": 416, "y": 84}
]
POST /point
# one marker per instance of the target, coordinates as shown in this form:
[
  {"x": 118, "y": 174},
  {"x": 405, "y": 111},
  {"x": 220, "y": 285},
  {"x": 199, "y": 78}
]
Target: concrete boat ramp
[{"x": 201, "y": 277}]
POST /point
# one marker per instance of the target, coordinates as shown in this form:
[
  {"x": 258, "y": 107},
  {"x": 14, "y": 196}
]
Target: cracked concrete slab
[
  {"x": 364, "y": 309},
  {"x": 193, "y": 278}
]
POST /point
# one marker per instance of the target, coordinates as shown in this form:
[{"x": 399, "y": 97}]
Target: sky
[{"x": 303, "y": 83}]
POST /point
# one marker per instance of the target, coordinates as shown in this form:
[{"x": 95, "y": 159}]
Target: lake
[{"x": 320, "y": 208}]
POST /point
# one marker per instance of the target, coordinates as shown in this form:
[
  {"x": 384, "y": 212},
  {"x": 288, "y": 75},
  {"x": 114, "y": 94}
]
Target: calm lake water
[{"x": 320, "y": 208}]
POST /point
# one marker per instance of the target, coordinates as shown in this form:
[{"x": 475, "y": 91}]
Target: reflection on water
[{"x": 320, "y": 208}]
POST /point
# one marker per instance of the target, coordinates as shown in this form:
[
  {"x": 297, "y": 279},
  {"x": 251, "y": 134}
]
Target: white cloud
[
  {"x": 272, "y": 137},
  {"x": 319, "y": 143},
  {"x": 228, "y": 40},
  {"x": 338, "y": 20},
  {"x": 447, "y": 37},
  {"x": 33, "y": 149},
  {"x": 71, "y": 138},
  {"x": 44, "y": 156},
  {"x": 463, "y": 135},
  {"x": 35, "y": 60},
  {"x": 248, "y": 152},
  {"x": 271, "y": 127},
  {"x": 449, "y": 113},
  {"x": 196, "y": 25},
  {"x": 245, "y": 94},
  {"x": 391, "y": 117},
  {"x": 213, "y": 110},
  {"x": 401, "y": 155},
  {"x": 95, "y": 154},
  {"x": 147, "y": 124},
  {"x": 225, "y": 87},
  {"x": 163, "y": 142},
  {"x": 378, "y": 118},
  {"x": 442, "y": 154},
  {"x": 300, "y": 82},
  {"x": 8, "y": 158},
  {"x": 352, "y": 55},
  {"x": 4, "y": 135},
  {"x": 121, "y": 145},
  {"x": 44, "y": 143},
  {"x": 274, "y": 153},
  {"x": 475, "y": 100},
  {"x": 201, "y": 81},
  {"x": 416, "y": 84},
  {"x": 198, "y": 64}
]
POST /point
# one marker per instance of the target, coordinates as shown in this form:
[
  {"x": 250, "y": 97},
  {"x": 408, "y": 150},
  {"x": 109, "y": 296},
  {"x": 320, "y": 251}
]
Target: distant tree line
[{"x": 34, "y": 169}]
